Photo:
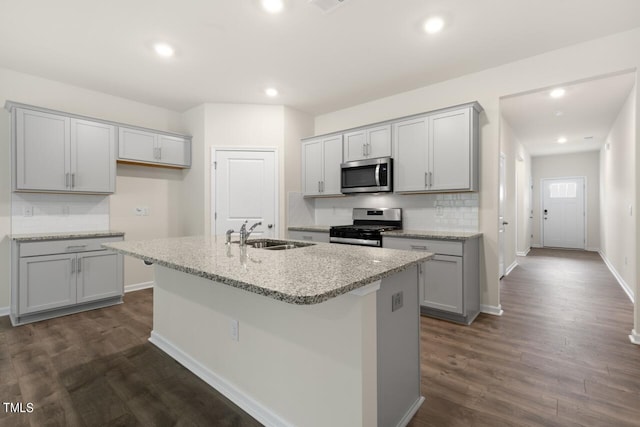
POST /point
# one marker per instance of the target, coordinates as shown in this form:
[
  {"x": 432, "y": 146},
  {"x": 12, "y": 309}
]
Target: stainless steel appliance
[
  {"x": 368, "y": 224},
  {"x": 367, "y": 176}
]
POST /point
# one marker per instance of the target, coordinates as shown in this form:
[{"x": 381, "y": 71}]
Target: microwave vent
[{"x": 327, "y": 5}]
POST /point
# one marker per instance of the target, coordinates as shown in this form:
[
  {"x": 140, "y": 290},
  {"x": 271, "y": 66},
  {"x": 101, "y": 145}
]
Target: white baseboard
[
  {"x": 138, "y": 286},
  {"x": 229, "y": 390},
  {"x": 634, "y": 337},
  {"x": 4, "y": 311},
  {"x": 411, "y": 412},
  {"x": 491, "y": 309},
  {"x": 592, "y": 249},
  {"x": 536, "y": 245},
  {"x": 510, "y": 268},
  {"x": 625, "y": 287},
  {"x": 525, "y": 253}
]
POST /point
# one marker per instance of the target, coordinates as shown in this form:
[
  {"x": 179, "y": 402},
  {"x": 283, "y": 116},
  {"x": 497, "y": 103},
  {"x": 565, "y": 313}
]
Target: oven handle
[
  {"x": 378, "y": 175},
  {"x": 362, "y": 242}
]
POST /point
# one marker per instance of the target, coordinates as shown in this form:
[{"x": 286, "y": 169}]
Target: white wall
[
  {"x": 585, "y": 164},
  {"x": 582, "y": 61},
  {"x": 152, "y": 186},
  {"x": 509, "y": 147},
  {"x": 241, "y": 125},
  {"x": 618, "y": 182},
  {"x": 524, "y": 201}
]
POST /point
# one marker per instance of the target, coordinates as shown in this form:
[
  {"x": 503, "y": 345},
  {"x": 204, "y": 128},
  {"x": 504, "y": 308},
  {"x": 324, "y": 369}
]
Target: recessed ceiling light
[
  {"x": 557, "y": 93},
  {"x": 558, "y": 113},
  {"x": 271, "y": 92},
  {"x": 272, "y": 6},
  {"x": 433, "y": 25},
  {"x": 164, "y": 49},
  {"x": 562, "y": 140}
]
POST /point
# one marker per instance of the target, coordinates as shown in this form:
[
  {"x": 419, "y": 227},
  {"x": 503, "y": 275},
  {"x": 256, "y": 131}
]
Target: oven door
[{"x": 367, "y": 176}]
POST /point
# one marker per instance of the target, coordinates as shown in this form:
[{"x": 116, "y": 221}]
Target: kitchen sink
[{"x": 276, "y": 245}]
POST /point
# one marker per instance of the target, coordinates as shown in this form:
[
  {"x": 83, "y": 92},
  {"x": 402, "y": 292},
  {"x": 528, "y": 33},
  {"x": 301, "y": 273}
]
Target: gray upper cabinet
[
  {"x": 321, "y": 159},
  {"x": 437, "y": 152},
  {"x": 368, "y": 143},
  {"x": 140, "y": 146},
  {"x": 61, "y": 154}
]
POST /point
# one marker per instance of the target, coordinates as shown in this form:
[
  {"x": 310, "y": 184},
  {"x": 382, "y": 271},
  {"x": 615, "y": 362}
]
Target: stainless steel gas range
[{"x": 367, "y": 227}]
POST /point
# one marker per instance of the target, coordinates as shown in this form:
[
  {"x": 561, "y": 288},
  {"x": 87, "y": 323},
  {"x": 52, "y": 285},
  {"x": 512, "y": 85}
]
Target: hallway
[{"x": 559, "y": 356}]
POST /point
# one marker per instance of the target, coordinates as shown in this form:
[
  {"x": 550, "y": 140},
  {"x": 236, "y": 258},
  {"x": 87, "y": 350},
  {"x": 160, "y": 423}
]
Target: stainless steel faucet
[
  {"x": 244, "y": 233},
  {"x": 229, "y": 231}
]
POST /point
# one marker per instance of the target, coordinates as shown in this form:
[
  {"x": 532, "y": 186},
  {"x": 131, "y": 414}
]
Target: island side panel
[{"x": 311, "y": 365}]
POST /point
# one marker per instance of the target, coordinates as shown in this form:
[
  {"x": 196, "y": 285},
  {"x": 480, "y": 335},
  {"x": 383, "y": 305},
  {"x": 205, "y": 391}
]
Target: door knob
[
  {"x": 270, "y": 226},
  {"x": 505, "y": 223}
]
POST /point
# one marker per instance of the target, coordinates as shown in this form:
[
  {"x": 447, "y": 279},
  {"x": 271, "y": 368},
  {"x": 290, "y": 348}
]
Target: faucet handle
[{"x": 229, "y": 231}]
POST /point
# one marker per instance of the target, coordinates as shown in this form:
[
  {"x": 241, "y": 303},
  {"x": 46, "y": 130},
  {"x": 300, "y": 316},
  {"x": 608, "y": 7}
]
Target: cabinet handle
[
  {"x": 73, "y": 265},
  {"x": 75, "y": 247},
  {"x": 73, "y": 180},
  {"x": 322, "y": 186},
  {"x": 159, "y": 153},
  {"x": 79, "y": 264},
  {"x": 66, "y": 179},
  {"x": 430, "y": 179},
  {"x": 368, "y": 149},
  {"x": 426, "y": 180},
  {"x": 363, "y": 152},
  {"x": 419, "y": 248},
  {"x": 319, "y": 187}
]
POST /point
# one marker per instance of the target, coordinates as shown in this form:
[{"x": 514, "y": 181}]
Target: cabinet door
[
  {"x": 355, "y": 145},
  {"x": 42, "y": 151},
  {"x": 312, "y": 167},
  {"x": 379, "y": 141},
  {"x": 442, "y": 283},
  {"x": 99, "y": 276},
  {"x": 411, "y": 141},
  {"x": 310, "y": 236},
  {"x": 174, "y": 150},
  {"x": 93, "y": 157},
  {"x": 137, "y": 145},
  {"x": 332, "y": 149},
  {"x": 450, "y": 156},
  {"x": 46, "y": 282}
]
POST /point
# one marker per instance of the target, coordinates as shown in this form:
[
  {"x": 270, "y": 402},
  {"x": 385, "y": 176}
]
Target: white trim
[
  {"x": 625, "y": 287},
  {"x": 510, "y": 268},
  {"x": 367, "y": 289},
  {"x": 404, "y": 421},
  {"x": 634, "y": 337},
  {"x": 254, "y": 408},
  {"x": 525, "y": 253},
  {"x": 138, "y": 286},
  {"x": 491, "y": 309},
  {"x": 276, "y": 192},
  {"x": 592, "y": 249},
  {"x": 536, "y": 245},
  {"x": 4, "y": 311}
]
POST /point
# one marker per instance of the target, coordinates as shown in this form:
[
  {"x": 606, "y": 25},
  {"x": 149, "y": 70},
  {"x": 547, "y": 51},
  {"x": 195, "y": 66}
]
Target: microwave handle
[{"x": 378, "y": 175}]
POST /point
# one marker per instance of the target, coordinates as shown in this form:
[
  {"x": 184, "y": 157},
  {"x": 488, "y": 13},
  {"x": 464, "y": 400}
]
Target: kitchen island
[{"x": 300, "y": 337}]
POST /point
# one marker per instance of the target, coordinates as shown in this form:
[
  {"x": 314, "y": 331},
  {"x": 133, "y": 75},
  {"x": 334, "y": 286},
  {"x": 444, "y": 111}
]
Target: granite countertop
[
  {"x": 306, "y": 275},
  {"x": 317, "y": 228},
  {"x": 434, "y": 235},
  {"x": 64, "y": 235}
]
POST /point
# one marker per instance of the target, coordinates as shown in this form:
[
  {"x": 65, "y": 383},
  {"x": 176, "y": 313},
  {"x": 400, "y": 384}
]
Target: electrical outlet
[
  {"x": 27, "y": 211},
  {"x": 234, "y": 329},
  {"x": 141, "y": 211},
  {"x": 396, "y": 301}
]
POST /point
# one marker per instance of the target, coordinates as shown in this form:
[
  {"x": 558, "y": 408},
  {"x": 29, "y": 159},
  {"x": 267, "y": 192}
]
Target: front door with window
[{"x": 563, "y": 213}]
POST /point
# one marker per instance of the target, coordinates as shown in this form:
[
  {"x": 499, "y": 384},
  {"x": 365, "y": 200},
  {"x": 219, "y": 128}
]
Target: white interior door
[
  {"x": 501, "y": 220},
  {"x": 563, "y": 213},
  {"x": 244, "y": 183}
]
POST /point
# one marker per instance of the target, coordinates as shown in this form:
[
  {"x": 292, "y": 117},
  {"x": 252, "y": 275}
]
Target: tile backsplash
[
  {"x": 42, "y": 213},
  {"x": 450, "y": 211}
]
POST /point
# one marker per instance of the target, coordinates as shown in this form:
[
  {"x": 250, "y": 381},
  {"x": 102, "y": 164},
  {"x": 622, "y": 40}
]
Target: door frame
[
  {"x": 212, "y": 183},
  {"x": 584, "y": 207}
]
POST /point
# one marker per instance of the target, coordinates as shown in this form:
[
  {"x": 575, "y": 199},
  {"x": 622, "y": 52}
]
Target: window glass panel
[{"x": 563, "y": 190}]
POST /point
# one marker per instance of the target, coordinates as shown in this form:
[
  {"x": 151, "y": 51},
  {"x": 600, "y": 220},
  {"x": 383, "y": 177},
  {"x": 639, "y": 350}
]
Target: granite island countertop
[
  {"x": 433, "y": 234},
  {"x": 306, "y": 275},
  {"x": 316, "y": 228},
  {"x": 32, "y": 237}
]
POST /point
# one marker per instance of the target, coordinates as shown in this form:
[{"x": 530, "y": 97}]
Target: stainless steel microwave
[{"x": 367, "y": 176}]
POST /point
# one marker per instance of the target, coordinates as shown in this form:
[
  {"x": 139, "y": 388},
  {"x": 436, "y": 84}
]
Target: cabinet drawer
[
  {"x": 311, "y": 236},
  {"x": 64, "y": 246},
  {"x": 444, "y": 247}
]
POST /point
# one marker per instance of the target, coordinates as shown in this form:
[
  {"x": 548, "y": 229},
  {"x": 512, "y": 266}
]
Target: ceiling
[
  {"x": 230, "y": 50},
  {"x": 584, "y": 115}
]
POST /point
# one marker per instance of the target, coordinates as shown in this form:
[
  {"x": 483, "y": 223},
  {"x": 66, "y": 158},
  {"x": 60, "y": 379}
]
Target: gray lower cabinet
[
  {"x": 53, "y": 278},
  {"x": 310, "y": 236},
  {"x": 449, "y": 282}
]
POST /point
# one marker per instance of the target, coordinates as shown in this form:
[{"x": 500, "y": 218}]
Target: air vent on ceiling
[{"x": 327, "y": 5}]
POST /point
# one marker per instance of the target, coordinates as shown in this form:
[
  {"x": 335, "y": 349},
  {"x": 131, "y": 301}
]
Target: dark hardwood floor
[{"x": 560, "y": 356}]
